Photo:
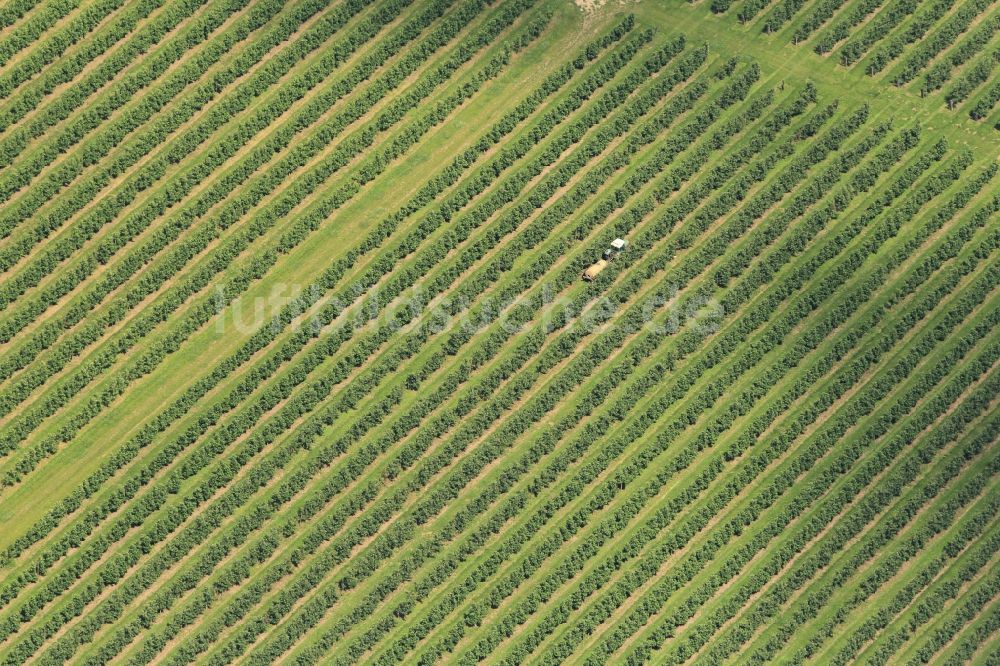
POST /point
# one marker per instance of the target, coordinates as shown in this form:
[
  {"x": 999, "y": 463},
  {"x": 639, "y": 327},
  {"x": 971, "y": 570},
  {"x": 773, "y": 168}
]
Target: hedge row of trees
[
  {"x": 984, "y": 105},
  {"x": 976, "y": 75},
  {"x": 750, "y": 9},
  {"x": 781, "y": 14},
  {"x": 819, "y": 15},
  {"x": 262, "y": 222},
  {"x": 707, "y": 436},
  {"x": 15, "y": 140},
  {"x": 961, "y": 615},
  {"x": 190, "y": 70},
  {"x": 803, "y": 306},
  {"x": 14, "y": 11},
  {"x": 857, "y": 11},
  {"x": 40, "y": 21},
  {"x": 974, "y": 43},
  {"x": 552, "y": 85},
  {"x": 720, "y": 6},
  {"x": 67, "y": 68},
  {"x": 873, "y": 503},
  {"x": 941, "y": 39},
  {"x": 880, "y": 26},
  {"x": 57, "y": 251},
  {"x": 257, "y": 378},
  {"x": 97, "y": 113},
  {"x": 47, "y": 333},
  {"x": 414, "y": 449},
  {"x": 927, "y": 302},
  {"x": 565, "y": 647},
  {"x": 541, "y": 447},
  {"x": 142, "y": 144},
  {"x": 914, "y": 32},
  {"x": 931, "y": 603},
  {"x": 223, "y": 218},
  {"x": 965, "y": 533},
  {"x": 521, "y": 318},
  {"x": 266, "y": 334},
  {"x": 359, "y": 355}
]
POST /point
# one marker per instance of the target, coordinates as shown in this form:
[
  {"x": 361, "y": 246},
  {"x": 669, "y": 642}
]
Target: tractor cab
[{"x": 617, "y": 245}]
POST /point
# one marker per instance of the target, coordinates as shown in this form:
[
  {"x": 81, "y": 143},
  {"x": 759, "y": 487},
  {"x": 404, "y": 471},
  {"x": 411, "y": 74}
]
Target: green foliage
[
  {"x": 973, "y": 77},
  {"x": 40, "y": 21},
  {"x": 940, "y": 40},
  {"x": 448, "y": 447},
  {"x": 854, "y": 14},
  {"x": 962, "y": 52}
]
